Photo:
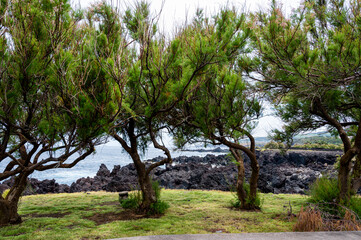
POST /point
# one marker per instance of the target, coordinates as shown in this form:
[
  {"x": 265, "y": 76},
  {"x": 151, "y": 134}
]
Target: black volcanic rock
[{"x": 291, "y": 172}]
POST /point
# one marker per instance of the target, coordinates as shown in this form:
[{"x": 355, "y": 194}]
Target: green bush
[
  {"x": 135, "y": 199},
  {"x": 158, "y": 207},
  {"x": 355, "y": 205},
  {"x": 324, "y": 190},
  {"x": 319, "y": 145},
  {"x": 274, "y": 145}
]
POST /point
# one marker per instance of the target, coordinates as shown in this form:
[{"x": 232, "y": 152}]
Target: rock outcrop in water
[{"x": 292, "y": 172}]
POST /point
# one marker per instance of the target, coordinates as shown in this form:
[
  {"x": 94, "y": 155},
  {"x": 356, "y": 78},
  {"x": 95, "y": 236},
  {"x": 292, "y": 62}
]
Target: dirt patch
[
  {"x": 112, "y": 203},
  {"x": 243, "y": 210},
  {"x": 51, "y": 215},
  {"x": 103, "y": 218},
  {"x": 284, "y": 217},
  {"x": 217, "y": 230},
  {"x": 71, "y": 226}
]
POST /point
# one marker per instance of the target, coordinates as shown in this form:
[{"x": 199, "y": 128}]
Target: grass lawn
[{"x": 96, "y": 215}]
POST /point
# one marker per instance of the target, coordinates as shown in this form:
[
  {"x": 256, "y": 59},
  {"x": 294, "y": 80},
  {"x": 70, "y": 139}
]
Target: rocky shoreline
[{"x": 292, "y": 172}]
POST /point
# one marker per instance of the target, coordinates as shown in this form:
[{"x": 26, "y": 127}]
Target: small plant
[
  {"x": 355, "y": 205},
  {"x": 236, "y": 203},
  {"x": 324, "y": 190},
  {"x": 135, "y": 199},
  {"x": 158, "y": 207},
  {"x": 314, "y": 219},
  {"x": 309, "y": 220}
]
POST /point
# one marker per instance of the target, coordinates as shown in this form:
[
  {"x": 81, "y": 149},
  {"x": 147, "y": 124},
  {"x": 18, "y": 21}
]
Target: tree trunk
[
  {"x": 145, "y": 184},
  {"x": 9, "y": 205},
  {"x": 253, "y": 181},
  {"x": 344, "y": 177},
  {"x": 247, "y": 202},
  {"x": 241, "y": 193},
  {"x": 356, "y": 174}
]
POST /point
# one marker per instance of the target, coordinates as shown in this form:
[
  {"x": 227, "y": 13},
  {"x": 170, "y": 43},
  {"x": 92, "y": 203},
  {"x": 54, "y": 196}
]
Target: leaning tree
[
  {"x": 309, "y": 63},
  {"x": 49, "y": 87},
  {"x": 161, "y": 72},
  {"x": 224, "y": 109}
]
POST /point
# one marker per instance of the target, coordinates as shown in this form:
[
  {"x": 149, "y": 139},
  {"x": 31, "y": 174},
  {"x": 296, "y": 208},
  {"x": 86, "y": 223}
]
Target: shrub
[
  {"x": 274, "y": 145},
  {"x": 158, "y": 207},
  {"x": 314, "y": 219},
  {"x": 324, "y": 190},
  {"x": 318, "y": 145},
  {"x": 355, "y": 205},
  {"x": 135, "y": 199},
  {"x": 308, "y": 220}
]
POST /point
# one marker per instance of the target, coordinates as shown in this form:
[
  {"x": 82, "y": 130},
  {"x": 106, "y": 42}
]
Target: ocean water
[{"x": 110, "y": 154}]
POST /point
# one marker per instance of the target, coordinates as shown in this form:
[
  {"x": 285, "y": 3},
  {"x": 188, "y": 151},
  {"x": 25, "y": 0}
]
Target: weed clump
[
  {"x": 313, "y": 219},
  {"x": 325, "y": 191},
  {"x": 309, "y": 220},
  {"x": 135, "y": 199},
  {"x": 325, "y": 213}
]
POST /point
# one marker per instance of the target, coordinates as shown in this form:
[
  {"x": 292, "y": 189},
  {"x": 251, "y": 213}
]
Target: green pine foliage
[{"x": 308, "y": 63}]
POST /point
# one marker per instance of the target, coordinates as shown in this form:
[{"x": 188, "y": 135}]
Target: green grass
[{"x": 63, "y": 216}]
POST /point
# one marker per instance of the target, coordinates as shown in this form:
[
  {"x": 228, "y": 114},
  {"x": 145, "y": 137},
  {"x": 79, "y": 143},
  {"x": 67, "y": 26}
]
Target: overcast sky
[{"x": 175, "y": 12}]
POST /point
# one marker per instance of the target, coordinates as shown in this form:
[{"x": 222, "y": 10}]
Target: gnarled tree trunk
[
  {"x": 145, "y": 183},
  {"x": 241, "y": 193},
  {"x": 344, "y": 178},
  {"x": 253, "y": 182},
  {"x": 356, "y": 174},
  {"x": 9, "y": 205}
]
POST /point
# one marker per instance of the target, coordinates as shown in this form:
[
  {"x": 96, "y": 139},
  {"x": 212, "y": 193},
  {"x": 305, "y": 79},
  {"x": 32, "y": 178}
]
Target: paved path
[{"x": 258, "y": 236}]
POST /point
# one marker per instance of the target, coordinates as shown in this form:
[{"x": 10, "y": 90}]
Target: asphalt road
[{"x": 257, "y": 236}]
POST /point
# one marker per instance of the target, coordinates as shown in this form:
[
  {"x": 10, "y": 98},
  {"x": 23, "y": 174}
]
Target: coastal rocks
[
  {"x": 292, "y": 172},
  {"x": 196, "y": 176},
  {"x": 36, "y": 186}
]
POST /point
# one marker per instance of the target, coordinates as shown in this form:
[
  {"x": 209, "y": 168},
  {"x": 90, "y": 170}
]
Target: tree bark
[
  {"x": 9, "y": 205},
  {"x": 356, "y": 174},
  {"x": 253, "y": 181},
  {"x": 251, "y": 153},
  {"x": 344, "y": 176},
  {"x": 145, "y": 183},
  {"x": 241, "y": 193},
  {"x": 144, "y": 180}
]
